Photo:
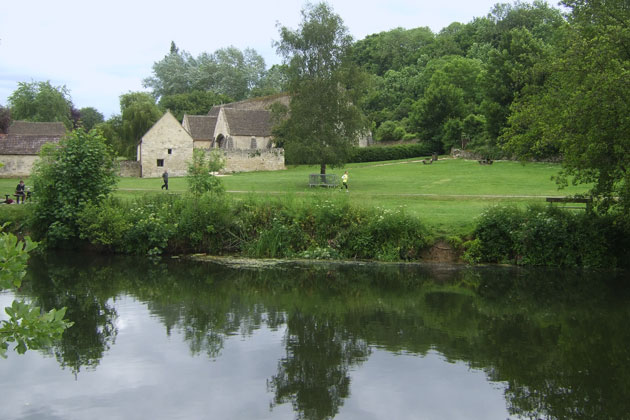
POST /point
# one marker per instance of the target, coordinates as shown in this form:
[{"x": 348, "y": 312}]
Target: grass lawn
[{"x": 447, "y": 195}]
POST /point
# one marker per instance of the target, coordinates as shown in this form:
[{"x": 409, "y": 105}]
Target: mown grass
[{"x": 447, "y": 195}]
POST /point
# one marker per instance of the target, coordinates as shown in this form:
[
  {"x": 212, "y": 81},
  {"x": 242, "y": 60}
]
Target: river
[{"x": 176, "y": 339}]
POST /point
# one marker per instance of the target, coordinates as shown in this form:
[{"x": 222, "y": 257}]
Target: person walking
[
  {"x": 19, "y": 192},
  {"x": 165, "y": 178},
  {"x": 344, "y": 180}
]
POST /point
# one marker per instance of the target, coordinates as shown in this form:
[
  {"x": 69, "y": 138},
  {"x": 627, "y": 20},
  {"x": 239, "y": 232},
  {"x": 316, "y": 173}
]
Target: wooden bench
[
  {"x": 568, "y": 200},
  {"x": 323, "y": 180}
]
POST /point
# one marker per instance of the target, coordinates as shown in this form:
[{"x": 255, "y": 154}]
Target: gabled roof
[
  {"x": 24, "y": 145},
  {"x": 248, "y": 123},
  {"x": 27, "y": 128},
  {"x": 200, "y": 127}
]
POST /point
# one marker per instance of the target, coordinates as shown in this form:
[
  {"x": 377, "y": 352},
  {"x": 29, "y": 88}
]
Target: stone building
[
  {"x": 241, "y": 130},
  {"x": 19, "y": 148},
  {"x": 166, "y": 146}
]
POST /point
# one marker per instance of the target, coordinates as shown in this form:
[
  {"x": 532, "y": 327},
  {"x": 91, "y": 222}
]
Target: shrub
[
  {"x": 497, "y": 231},
  {"x": 68, "y": 176},
  {"x": 381, "y": 153}
]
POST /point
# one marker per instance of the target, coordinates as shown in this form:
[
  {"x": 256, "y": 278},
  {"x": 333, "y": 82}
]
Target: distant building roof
[
  {"x": 24, "y": 145},
  {"x": 200, "y": 127},
  {"x": 248, "y": 123},
  {"x": 27, "y": 128}
]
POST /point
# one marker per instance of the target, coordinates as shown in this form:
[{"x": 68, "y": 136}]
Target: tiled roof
[
  {"x": 27, "y": 128},
  {"x": 24, "y": 145},
  {"x": 201, "y": 127},
  {"x": 248, "y": 123}
]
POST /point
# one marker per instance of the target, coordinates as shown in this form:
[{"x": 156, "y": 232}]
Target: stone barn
[{"x": 19, "y": 148}]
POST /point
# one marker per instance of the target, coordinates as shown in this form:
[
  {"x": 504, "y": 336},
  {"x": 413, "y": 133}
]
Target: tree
[
  {"x": 201, "y": 169},
  {"x": 582, "y": 110},
  {"x": 324, "y": 122},
  {"x": 41, "y": 102},
  {"x": 89, "y": 117},
  {"x": 5, "y": 119},
  {"x": 139, "y": 113},
  {"x": 196, "y": 102},
  {"x": 27, "y": 326},
  {"x": 69, "y": 175},
  {"x": 228, "y": 71}
]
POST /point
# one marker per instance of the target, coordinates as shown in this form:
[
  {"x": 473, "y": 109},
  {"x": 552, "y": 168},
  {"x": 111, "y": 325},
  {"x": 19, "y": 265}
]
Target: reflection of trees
[
  {"x": 557, "y": 340},
  {"x": 314, "y": 375},
  {"x": 85, "y": 291}
]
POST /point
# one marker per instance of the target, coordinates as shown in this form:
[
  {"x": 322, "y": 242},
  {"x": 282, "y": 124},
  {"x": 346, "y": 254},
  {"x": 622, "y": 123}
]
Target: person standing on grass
[
  {"x": 344, "y": 180},
  {"x": 165, "y": 178}
]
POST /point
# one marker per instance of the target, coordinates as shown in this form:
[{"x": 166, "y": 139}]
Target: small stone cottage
[{"x": 19, "y": 148}]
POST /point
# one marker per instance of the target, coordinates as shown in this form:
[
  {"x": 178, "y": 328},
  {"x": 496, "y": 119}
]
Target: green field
[{"x": 447, "y": 195}]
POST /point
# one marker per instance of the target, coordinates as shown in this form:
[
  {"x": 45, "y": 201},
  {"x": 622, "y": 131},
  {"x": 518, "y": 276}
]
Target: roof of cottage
[
  {"x": 24, "y": 145},
  {"x": 200, "y": 127},
  {"x": 248, "y": 123},
  {"x": 28, "y": 128}
]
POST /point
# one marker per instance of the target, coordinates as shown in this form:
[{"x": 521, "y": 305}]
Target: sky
[{"x": 101, "y": 50}]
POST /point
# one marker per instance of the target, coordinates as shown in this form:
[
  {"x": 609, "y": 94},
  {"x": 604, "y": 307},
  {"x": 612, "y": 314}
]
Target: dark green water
[{"x": 200, "y": 341}]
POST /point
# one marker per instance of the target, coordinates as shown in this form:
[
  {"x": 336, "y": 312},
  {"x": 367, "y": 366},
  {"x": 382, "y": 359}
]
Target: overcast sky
[{"x": 100, "y": 50}]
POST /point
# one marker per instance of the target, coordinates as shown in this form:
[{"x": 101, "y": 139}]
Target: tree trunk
[{"x": 322, "y": 169}]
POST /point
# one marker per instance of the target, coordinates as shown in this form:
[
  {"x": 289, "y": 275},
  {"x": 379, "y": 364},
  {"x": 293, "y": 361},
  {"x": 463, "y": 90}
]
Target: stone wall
[
  {"x": 166, "y": 146},
  {"x": 17, "y": 165},
  {"x": 254, "y": 160},
  {"x": 130, "y": 168}
]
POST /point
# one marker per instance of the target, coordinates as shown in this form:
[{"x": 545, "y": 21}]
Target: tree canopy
[
  {"x": 41, "y": 102},
  {"x": 324, "y": 120},
  {"x": 228, "y": 71},
  {"x": 582, "y": 109}
]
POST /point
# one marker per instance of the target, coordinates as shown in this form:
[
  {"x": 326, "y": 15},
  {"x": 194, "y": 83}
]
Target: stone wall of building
[
  {"x": 166, "y": 146},
  {"x": 130, "y": 168},
  {"x": 254, "y": 160},
  {"x": 17, "y": 165}
]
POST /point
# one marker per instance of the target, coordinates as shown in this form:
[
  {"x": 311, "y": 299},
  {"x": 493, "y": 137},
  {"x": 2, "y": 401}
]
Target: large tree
[
  {"x": 228, "y": 71},
  {"x": 41, "y": 102},
  {"x": 139, "y": 113},
  {"x": 324, "y": 121},
  {"x": 583, "y": 109}
]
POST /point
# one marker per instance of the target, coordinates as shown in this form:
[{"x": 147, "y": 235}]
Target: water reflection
[{"x": 557, "y": 340}]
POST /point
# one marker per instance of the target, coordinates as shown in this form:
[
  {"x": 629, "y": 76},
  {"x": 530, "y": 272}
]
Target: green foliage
[
  {"x": 497, "y": 231},
  {"x": 324, "y": 121},
  {"x": 192, "y": 103},
  {"x": 228, "y": 72},
  {"x": 382, "y": 153},
  {"x": 139, "y": 113},
  {"x": 68, "y": 176},
  {"x": 41, "y": 102},
  {"x": 548, "y": 236},
  {"x": 201, "y": 175},
  {"x": 90, "y": 117},
  {"x": 27, "y": 326}
]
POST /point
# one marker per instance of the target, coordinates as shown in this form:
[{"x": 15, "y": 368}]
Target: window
[
  {"x": 170, "y": 151},
  {"x": 160, "y": 162}
]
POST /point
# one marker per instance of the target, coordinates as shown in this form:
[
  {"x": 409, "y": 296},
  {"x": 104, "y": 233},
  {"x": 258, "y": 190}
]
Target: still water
[{"x": 189, "y": 340}]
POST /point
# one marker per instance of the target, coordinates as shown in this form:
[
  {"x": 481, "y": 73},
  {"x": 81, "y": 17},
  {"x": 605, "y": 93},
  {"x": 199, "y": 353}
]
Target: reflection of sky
[{"x": 149, "y": 375}]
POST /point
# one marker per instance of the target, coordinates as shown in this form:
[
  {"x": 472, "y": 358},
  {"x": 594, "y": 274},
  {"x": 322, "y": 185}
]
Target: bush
[
  {"x": 497, "y": 231},
  {"x": 70, "y": 175},
  {"x": 381, "y": 153}
]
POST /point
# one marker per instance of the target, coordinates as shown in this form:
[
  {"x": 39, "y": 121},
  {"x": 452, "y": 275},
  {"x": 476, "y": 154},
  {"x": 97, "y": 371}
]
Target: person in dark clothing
[
  {"x": 165, "y": 178},
  {"x": 19, "y": 192}
]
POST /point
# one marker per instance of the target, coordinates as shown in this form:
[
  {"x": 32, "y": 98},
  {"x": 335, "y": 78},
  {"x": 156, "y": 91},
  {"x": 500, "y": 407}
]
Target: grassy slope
[{"x": 446, "y": 195}]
